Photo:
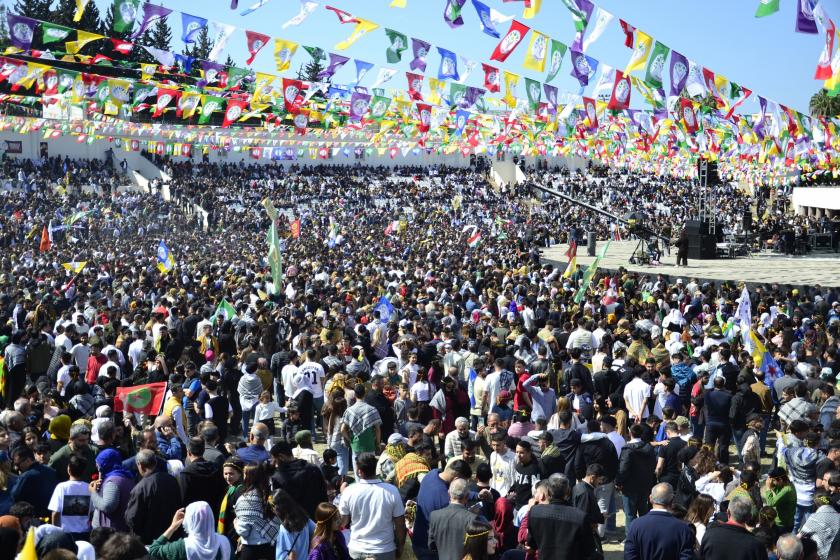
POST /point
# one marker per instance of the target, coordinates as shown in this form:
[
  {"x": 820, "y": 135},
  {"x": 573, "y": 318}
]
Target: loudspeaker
[
  {"x": 713, "y": 177},
  {"x": 701, "y": 242},
  {"x": 747, "y": 221}
]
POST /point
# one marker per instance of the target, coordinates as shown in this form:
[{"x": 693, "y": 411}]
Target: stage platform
[{"x": 761, "y": 268}]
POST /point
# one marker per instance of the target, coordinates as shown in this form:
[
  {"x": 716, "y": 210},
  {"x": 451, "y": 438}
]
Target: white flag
[
  {"x": 254, "y": 7},
  {"x": 694, "y": 84},
  {"x": 223, "y": 32},
  {"x": 606, "y": 81},
  {"x": 385, "y": 75},
  {"x": 166, "y": 58},
  {"x": 306, "y": 8},
  {"x": 602, "y": 19},
  {"x": 468, "y": 66}
]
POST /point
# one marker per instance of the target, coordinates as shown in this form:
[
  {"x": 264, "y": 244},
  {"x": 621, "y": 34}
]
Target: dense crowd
[{"x": 463, "y": 402}]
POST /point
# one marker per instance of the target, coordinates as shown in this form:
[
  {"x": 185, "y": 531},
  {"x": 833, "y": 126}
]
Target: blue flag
[
  {"x": 362, "y": 68},
  {"x": 165, "y": 259},
  {"x": 448, "y": 65},
  {"x": 461, "y": 118},
  {"x": 471, "y": 376},
  {"x": 192, "y": 26},
  {"x": 486, "y": 19},
  {"x": 385, "y": 309},
  {"x": 186, "y": 62}
]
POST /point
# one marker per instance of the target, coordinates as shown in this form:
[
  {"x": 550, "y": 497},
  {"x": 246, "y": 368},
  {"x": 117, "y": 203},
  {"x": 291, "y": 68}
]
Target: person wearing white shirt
[
  {"x": 287, "y": 376},
  {"x": 581, "y": 337},
  {"x": 136, "y": 350},
  {"x": 608, "y": 424},
  {"x": 120, "y": 356},
  {"x": 502, "y": 460},
  {"x": 63, "y": 340},
  {"x": 63, "y": 374},
  {"x": 70, "y": 501},
  {"x": 81, "y": 353},
  {"x": 636, "y": 395}
]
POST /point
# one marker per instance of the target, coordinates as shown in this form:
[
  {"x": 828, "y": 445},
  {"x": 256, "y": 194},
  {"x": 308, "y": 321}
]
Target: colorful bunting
[
  {"x": 558, "y": 51},
  {"x": 768, "y": 7},
  {"x": 510, "y": 41},
  {"x": 363, "y": 27},
  {"x": 452, "y": 13},
  {"x": 620, "y": 97},
  {"x": 537, "y": 52},
  {"x": 306, "y": 9},
  {"x": 283, "y": 53},
  {"x": 491, "y": 78},
  {"x": 151, "y": 13},
  {"x": 421, "y": 51},
  {"x": 192, "y": 26},
  {"x": 399, "y": 43}
]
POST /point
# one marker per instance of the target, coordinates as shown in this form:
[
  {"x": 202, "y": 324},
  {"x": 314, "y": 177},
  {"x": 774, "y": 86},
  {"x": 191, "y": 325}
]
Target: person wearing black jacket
[
  {"x": 153, "y": 501},
  {"x": 636, "y": 476},
  {"x": 201, "y": 480},
  {"x": 580, "y": 371},
  {"x": 302, "y": 480},
  {"x": 596, "y": 447},
  {"x": 377, "y": 399},
  {"x": 744, "y": 402},
  {"x": 558, "y": 455},
  {"x": 717, "y": 404},
  {"x": 583, "y": 494},
  {"x": 728, "y": 370},
  {"x": 558, "y": 530}
]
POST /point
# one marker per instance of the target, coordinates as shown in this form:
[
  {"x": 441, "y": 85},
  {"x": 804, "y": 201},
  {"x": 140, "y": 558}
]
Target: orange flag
[
  {"x": 295, "y": 227},
  {"x": 45, "y": 240}
]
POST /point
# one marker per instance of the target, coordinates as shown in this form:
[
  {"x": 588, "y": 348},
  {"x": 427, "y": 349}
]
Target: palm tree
[{"x": 823, "y": 105}]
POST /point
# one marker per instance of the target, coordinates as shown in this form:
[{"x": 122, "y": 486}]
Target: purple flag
[
  {"x": 452, "y": 12},
  {"x": 759, "y": 126},
  {"x": 582, "y": 67},
  {"x": 234, "y": 4},
  {"x": 471, "y": 97},
  {"x": 421, "y": 51},
  {"x": 211, "y": 72},
  {"x": 359, "y": 104},
  {"x": 679, "y": 72},
  {"x": 336, "y": 62},
  {"x": 551, "y": 97},
  {"x": 21, "y": 30},
  {"x": 805, "y": 22},
  {"x": 586, "y": 7},
  {"x": 151, "y": 13}
]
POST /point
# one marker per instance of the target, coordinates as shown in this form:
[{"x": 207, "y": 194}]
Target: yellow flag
[
  {"x": 640, "y": 53},
  {"x": 537, "y": 51},
  {"x": 80, "y": 9},
  {"x": 189, "y": 103},
  {"x": 532, "y": 10},
  {"x": 283, "y": 53},
  {"x": 82, "y": 39},
  {"x": 28, "y": 550},
  {"x": 147, "y": 71},
  {"x": 398, "y": 3},
  {"x": 262, "y": 88},
  {"x": 75, "y": 267},
  {"x": 362, "y": 28},
  {"x": 434, "y": 95},
  {"x": 511, "y": 80}
]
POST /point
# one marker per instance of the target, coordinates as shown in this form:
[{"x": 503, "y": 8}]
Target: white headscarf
[
  {"x": 202, "y": 542},
  {"x": 302, "y": 382}
]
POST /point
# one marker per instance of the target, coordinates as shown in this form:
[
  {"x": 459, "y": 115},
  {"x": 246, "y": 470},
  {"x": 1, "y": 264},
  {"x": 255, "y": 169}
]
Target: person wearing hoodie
[
  {"x": 249, "y": 389},
  {"x": 201, "y": 480},
  {"x": 596, "y": 447},
  {"x": 301, "y": 479},
  {"x": 636, "y": 476},
  {"x": 802, "y": 469},
  {"x": 684, "y": 377},
  {"x": 559, "y": 455}
]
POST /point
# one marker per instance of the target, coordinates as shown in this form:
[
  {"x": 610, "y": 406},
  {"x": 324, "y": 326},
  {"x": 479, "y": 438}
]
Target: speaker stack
[{"x": 701, "y": 242}]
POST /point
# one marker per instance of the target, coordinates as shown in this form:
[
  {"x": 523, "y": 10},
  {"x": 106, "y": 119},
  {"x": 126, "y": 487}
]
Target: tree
[
  {"x": 823, "y": 105},
  {"x": 310, "y": 72},
  {"x": 36, "y": 9},
  {"x": 4, "y": 28},
  {"x": 161, "y": 36},
  {"x": 199, "y": 50}
]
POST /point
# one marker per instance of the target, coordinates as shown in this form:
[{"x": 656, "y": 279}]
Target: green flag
[
  {"x": 656, "y": 64},
  {"x": 555, "y": 59},
  {"x": 224, "y": 311},
  {"x": 317, "y": 53},
  {"x": 379, "y": 105},
  {"x": 399, "y": 42},
  {"x": 456, "y": 93},
  {"x": 767, "y": 7},
  {"x": 51, "y": 32},
  {"x": 125, "y": 14},
  {"x": 142, "y": 92},
  {"x": 235, "y": 76},
  {"x": 532, "y": 90},
  {"x": 209, "y": 104},
  {"x": 578, "y": 15},
  {"x": 590, "y": 272}
]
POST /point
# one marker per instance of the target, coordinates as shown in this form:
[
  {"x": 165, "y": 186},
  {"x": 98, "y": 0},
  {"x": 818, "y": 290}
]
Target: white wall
[{"x": 816, "y": 200}]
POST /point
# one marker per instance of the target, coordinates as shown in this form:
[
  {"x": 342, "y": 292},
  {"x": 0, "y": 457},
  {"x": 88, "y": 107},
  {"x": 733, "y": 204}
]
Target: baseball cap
[{"x": 395, "y": 439}]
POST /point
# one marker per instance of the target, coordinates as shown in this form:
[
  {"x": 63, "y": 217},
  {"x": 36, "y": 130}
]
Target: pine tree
[
  {"x": 36, "y": 9},
  {"x": 4, "y": 28},
  {"x": 199, "y": 50},
  {"x": 161, "y": 35},
  {"x": 229, "y": 62},
  {"x": 310, "y": 72}
]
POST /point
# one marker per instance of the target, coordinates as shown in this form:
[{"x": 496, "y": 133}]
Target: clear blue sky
[{"x": 765, "y": 55}]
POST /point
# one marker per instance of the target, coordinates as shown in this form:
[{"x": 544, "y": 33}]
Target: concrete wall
[{"x": 816, "y": 201}]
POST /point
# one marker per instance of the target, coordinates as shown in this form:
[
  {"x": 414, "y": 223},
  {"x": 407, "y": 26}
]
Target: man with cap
[{"x": 304, "y": 449}]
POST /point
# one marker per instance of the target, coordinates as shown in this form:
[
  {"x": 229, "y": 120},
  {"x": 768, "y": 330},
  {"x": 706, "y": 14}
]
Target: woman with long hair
[
  {"x": 700, "y": 513},
  {"x": 200, "y": 542},
  {"x": 295, "y": 528},
  {"x": 255, "y": 522},
  {"x": 331, "y": 414},
  {"x": 563, "y": 403},
  {"x": 328, "y": 542},
  {"x": 479, "y": 541}
]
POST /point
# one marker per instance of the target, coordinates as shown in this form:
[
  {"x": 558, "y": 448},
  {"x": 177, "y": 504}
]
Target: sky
[{"x": 764, "y": 54}]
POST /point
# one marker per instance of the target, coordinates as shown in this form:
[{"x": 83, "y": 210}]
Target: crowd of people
[{"x": 406, "y": 386}]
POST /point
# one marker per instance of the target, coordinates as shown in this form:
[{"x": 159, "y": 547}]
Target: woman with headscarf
[
  {"x": 303, "y": 396},
  {"x": 232, "y": 471},
  {"x": 201, "y": 542},
  {"x": 110, "y": 492},
  {"x": 59, "y": 432}
]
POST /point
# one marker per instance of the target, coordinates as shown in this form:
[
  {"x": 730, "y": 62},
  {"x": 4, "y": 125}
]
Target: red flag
[
  {"x": 628, "y": 33},
  {"x": 145, "y": 399},
  {"x": 824, "y": 70},
  {"x": 491, "y": 78},
  {"x": 620, "y": 98},
  {"x": 256, "y": 152},
  {"x": 571, "y": 252},
  {"x": 343, "y": 17},
  {"x": 301, "y": 121},
  {"x": 100, "y": 58},
  {"x": 164, "y": 98},
  {"x": 688, "y": 116},
  {"x": 45, "y": 240},
  {"x": 235, "y": 109},
  {"x": 745, "y": 93},
  {"x": 591, "y": 110},
  {"x": 510, "y": 41},
  {"x": 295, "y": 228},
  {"x": 711, "y": 86},
  {"x": 425, "y": 113},
  {"x": 122, "y": 47},
  {"x": 292, "y": 95},
  {"x": 186, "y": 150},
  {"x": 256, "y": 41},
  {"x": 415, "y": 86}
]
